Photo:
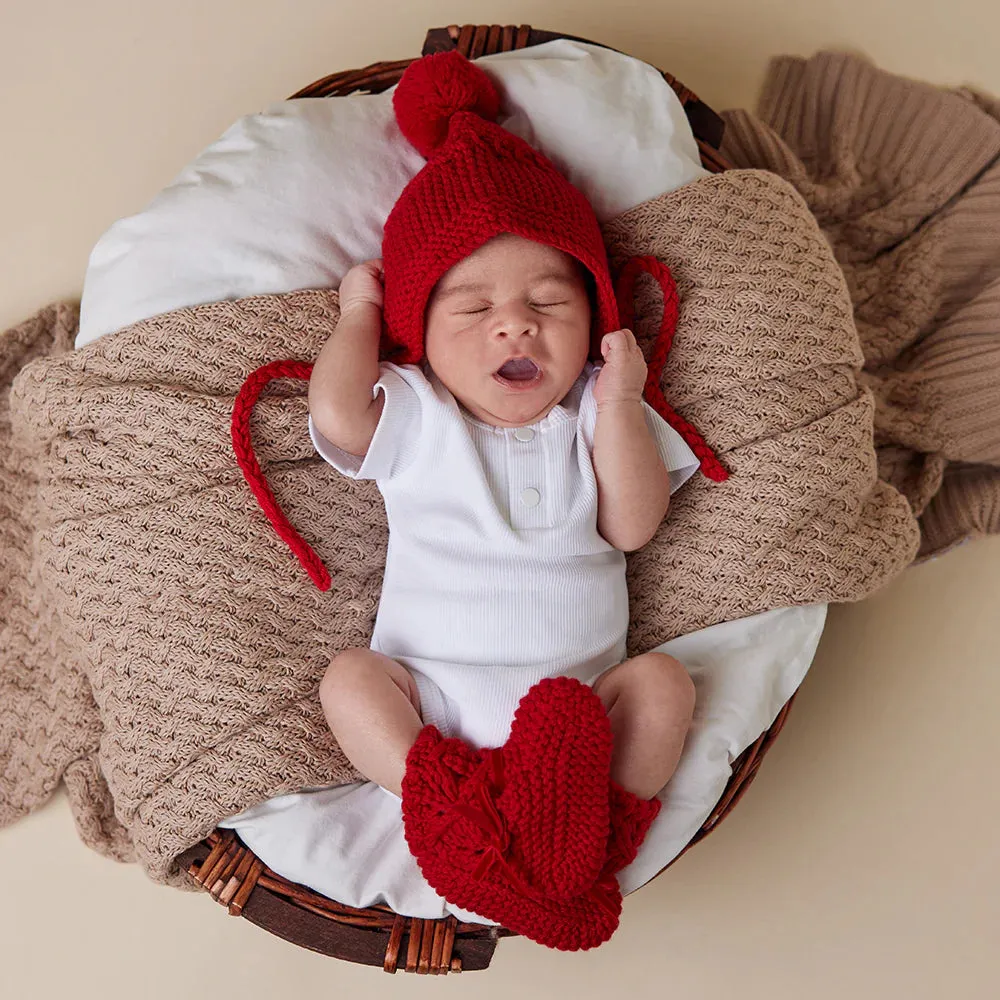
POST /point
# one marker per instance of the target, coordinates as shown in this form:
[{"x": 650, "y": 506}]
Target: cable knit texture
[
  {"x": 161, "y": 648},
  {"x": 519, "y": 834}
]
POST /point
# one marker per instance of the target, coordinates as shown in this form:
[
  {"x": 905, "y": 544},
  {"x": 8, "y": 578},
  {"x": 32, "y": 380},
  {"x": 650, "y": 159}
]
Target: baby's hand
[
  {"x": 623, "y": 376},
  {"x": 363, "y": 283}
]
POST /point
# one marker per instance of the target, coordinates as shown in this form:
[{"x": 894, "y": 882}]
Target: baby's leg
[
  {"x": 373, "y": 707},
  {"x": 650, "y": 701}
]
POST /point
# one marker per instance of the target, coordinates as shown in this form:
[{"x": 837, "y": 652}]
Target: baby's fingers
[{"x": 619, "y": 340}]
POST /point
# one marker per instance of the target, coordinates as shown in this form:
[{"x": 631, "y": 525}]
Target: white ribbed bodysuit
[{"x": 496, "y": 575}]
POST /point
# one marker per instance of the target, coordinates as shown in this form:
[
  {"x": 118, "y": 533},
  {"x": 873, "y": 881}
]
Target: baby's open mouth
[{"x": 518, "y": 370}]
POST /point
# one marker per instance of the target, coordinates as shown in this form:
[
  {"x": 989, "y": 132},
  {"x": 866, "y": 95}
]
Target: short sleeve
[
  {"x": 397, "y": 434},
  {"x": 677, "y": 457}
]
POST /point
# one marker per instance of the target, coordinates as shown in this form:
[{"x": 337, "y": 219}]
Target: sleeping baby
[{"x": 518, "y": 462}]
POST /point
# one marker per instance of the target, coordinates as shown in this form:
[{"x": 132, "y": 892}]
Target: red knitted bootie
[
  {"x": 559, "y": 748},
  {"x": 519, "y": 834},
  {"x": 631, "y": 818}
]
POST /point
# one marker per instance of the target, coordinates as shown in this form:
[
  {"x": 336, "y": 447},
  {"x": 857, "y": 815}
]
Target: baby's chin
[{"x": 507, "y": 411}]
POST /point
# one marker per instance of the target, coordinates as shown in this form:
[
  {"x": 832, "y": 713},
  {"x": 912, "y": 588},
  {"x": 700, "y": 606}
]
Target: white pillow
[{"x": 293, "y": 197}]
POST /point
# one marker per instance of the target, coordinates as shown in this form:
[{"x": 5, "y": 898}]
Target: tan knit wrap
[
  {"x": 904, "y": 179},
  {"x": 160, "y": 646}
]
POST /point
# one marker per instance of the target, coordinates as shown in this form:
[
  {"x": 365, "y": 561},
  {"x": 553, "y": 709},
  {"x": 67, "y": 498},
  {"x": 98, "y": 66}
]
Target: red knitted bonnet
[{"x": 479, "y": 181}]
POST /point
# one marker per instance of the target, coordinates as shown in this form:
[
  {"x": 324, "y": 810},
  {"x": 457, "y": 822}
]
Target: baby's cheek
[{"x": 451, "y": 356}]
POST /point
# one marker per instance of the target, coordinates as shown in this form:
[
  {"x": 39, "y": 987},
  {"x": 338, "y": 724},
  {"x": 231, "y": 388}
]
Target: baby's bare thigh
[
  {"x": 656, "y": 684},
  {"x": 357, "y": 670}
]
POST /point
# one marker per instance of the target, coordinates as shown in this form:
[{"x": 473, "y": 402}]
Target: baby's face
[{"x": 512, "y": 298}]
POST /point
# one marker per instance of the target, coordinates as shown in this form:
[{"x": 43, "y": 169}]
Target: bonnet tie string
[
  {"x": 251, "y": 389},
  {"x": 625, "y": 293},
  {"x": 246, "y": 398}
]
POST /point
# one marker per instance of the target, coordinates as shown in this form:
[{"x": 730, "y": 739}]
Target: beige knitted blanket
[{"x": 161, "y": 649}]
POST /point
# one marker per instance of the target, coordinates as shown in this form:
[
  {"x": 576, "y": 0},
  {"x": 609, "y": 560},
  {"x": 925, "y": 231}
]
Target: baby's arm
[
  {"x": 633, "y": 485},
  {"x": 345, "y": 373}
]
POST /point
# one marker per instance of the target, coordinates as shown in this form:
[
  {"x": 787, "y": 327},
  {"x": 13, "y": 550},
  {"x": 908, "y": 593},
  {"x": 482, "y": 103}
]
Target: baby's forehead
[{"x": 506, "y": 258}]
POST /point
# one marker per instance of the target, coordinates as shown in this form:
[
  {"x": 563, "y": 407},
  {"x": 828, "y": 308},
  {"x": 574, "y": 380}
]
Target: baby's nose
[{"x": 515, "y": 322}]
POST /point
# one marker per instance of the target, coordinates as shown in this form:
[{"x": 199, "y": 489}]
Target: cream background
[{"x": 864, "y": 862}]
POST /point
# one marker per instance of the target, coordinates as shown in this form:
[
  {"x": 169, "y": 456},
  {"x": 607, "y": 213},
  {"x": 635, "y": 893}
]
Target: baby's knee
[
  {"x": 664, "y": 687},
  {"x": 341, "y": 677}
]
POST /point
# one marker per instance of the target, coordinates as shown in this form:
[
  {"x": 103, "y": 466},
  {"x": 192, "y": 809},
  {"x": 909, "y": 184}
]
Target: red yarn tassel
[
  {"x": 243, "y": 447},
  {"x": 625, "y": 293}
]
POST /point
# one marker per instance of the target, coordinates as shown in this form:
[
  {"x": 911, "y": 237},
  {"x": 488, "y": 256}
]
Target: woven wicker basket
[{"x": 231, "y": 872}]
